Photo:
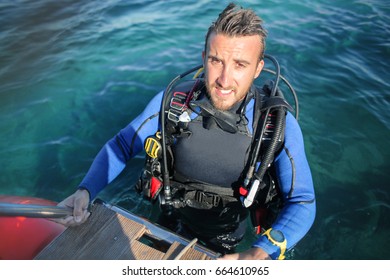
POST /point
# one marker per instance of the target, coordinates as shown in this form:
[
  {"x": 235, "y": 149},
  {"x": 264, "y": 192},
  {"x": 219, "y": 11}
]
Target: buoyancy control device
[{"x": 258, "y": 187}]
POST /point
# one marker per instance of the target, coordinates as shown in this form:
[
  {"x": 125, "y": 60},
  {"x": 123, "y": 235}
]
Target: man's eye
[
  {"x": 241, "y": 65},
  {"x": 215, "y": 60}
]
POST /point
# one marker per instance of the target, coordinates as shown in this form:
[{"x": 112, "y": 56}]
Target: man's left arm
[
  {"x": 296, "y": 183},
  {"x": 298, "y": 213}
]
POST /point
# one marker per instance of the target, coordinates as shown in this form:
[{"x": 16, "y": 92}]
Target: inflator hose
[
  {"x": 269, "y": 154},
  {"x": 259, "y": 137}
]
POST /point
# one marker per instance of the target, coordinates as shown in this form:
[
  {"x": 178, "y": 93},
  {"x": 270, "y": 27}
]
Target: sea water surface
[{"x": 73, "y": 73}]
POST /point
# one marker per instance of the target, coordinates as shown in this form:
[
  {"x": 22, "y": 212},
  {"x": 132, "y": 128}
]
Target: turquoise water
[{"x": 75, "y": 72}]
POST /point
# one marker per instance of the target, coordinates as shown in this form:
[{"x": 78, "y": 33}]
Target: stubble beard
[{"x": 220, "y": 104}]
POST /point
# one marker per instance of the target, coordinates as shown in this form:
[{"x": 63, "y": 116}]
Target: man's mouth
[{"x": 224, "y": 91}]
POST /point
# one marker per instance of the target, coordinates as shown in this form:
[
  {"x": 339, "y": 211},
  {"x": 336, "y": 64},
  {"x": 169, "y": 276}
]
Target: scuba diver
[{"x": 220, "y": 151}]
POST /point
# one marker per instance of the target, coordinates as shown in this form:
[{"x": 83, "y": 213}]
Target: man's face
[{"x": 231, "y": 64}]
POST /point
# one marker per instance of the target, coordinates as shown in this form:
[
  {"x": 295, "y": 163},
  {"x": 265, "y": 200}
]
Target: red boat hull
[{"x": 23, "y": 238}]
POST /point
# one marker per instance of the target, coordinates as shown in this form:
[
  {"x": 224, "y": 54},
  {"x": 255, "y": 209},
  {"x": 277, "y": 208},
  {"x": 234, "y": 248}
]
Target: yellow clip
[
  {"x": 281, "y": 242},
  {"x": 153, "y": 146}
]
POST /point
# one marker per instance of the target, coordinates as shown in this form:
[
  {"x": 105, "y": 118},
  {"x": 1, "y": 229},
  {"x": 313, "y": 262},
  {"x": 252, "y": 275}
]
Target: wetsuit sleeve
[
  {"x": 295, "y": 180},
  {"x": 112, "y": 158}
]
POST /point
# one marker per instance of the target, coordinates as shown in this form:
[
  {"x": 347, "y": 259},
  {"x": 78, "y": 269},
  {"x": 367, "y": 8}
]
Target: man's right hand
[{"x": 79, "y": 202}]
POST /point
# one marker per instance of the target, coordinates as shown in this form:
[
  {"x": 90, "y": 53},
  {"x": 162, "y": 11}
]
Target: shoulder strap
[
  {"x": 274, "y": 102},
  {"x": 181, "y": 96}
]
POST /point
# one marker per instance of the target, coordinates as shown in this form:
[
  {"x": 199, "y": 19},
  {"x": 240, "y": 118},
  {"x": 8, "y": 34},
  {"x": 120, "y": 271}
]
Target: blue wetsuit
[{"x": 294, "y": 219}]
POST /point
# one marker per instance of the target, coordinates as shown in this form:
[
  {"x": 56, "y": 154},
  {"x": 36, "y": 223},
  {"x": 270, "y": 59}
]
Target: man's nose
[{"x": 224, "y": 78}]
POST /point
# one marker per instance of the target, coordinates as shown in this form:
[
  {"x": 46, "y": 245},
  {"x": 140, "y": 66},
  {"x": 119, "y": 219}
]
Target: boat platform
[{"x": 111, "y": 233}]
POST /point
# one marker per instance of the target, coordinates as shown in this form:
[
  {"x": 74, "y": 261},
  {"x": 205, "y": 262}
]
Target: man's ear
[{"x": 260, "y": 66}]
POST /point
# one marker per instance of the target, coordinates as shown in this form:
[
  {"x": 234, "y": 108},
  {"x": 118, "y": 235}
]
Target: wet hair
[{"x": 236, "y": 21}]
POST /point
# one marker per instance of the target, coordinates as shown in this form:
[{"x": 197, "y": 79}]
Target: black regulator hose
[
  {"x": 164, "y": 104},
  {"x": 294, "y": 94}
]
